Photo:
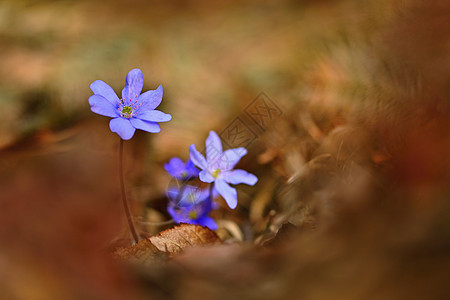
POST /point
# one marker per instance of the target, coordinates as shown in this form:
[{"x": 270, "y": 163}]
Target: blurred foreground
[{"x": 353, "y": 197}]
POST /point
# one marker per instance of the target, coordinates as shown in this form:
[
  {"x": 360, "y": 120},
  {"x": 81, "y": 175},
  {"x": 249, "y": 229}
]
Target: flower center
[
  {"x": 215, "y": 173},
  {"x": 127, "y": 108},
  {"x": 127, "y": 112},
  {"x": 192, "y": 215}
]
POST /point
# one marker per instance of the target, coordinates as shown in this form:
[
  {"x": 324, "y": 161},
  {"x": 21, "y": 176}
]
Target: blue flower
[
  {"x": 180, "y": 170},
  {"x": 218, "y": 168},
  {"x": 192, "y": 206},
  {"x": 134, "y": 110}
]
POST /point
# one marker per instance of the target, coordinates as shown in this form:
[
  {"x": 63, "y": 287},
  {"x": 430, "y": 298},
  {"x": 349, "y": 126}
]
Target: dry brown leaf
[
  {"x": 144, "y": 252},
  {"x": 184, "y": 236}
]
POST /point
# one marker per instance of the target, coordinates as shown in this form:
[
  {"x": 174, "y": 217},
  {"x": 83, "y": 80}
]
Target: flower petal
[
  {"x": 191, "y": 169},
  {"x": 231, "y": 157},
  {"x": 133, "y": 85},
  {"x": 213, "y": 147},
  {"x": 122, "y": 127},
  {"x": 205, "y": 176},
  {"x": 103, "y": 107},
  {"x": 197, "y": 158},
  {"x": 208, "y": 222},
  {"x": 239, "y": 176},
  {"x": 193, "y": 195},
  {"x": 151, "y": 99},
  {"x": 172, "y": 193},
  {"x": 175, "y": 166},
  {"x": 145, "y": 125},
  {"x": 153, "y": 116},
  {"x": 101, "y": 88},
  {"x": 227, "y": 192},
  {"x": 176, "y": 215}
]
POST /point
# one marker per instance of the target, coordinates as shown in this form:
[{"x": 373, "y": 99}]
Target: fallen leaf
[
  {"x": 184, "y": 236},
  {"x": 144, "y": 252}
]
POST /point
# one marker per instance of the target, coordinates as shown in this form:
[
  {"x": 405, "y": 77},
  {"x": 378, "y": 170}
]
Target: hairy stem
[{"x": 124, "y": 197}]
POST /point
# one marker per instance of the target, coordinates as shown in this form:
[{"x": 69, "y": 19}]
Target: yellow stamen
[
  {"x": 192, "y": 214},
  {"x": 216, "y": 173}
]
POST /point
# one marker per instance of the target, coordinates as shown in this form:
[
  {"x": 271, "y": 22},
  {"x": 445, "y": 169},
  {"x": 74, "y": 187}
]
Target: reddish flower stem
[{"x": 124, "y": 197}]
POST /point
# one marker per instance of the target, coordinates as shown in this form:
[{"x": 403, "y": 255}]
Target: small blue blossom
[
  {"x": 218, "y": 168},
  {"x": 134, "y": 110},
  {"x": 192, "y": 207},
  {"x": 180, "y": 170}
]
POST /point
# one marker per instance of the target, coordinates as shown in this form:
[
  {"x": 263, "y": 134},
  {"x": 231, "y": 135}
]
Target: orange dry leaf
[{"x": 184, "y": 236}]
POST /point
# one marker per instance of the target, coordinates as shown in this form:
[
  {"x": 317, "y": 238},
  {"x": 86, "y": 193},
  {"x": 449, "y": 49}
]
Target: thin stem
[
  {"x": 211, "y": 197},
  {"x": 124, "y": 197}
]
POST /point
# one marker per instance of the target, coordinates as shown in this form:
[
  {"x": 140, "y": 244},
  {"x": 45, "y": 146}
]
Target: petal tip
[
  {"x": 92, "y": 85},
  {"x": 242, "y": 151},
  {"x": 135, "y": 71},
  {"x": 254, "y": 180},
  {"x": 213, "y": 133},
  {"x": 231, "y": 204},
  {"x": 122, "y": 128},
  {"x": 91, "y": 100}
]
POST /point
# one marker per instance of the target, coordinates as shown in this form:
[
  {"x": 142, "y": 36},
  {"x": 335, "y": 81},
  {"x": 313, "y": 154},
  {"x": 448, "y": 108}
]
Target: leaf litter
[{"x": 353, "y": 201}]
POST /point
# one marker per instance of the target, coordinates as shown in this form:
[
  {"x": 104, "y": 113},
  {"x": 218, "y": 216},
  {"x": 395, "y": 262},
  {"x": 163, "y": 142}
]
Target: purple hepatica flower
[
  {"x": 134, "y": 110},
  {"x": 218, "y": 168},
  {"x": 192, "y": 207},
  {"x": 180, "y": 170}
]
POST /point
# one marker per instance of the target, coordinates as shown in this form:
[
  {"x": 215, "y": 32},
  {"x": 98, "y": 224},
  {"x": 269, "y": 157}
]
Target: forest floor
[{"x": 342, "y": 106}]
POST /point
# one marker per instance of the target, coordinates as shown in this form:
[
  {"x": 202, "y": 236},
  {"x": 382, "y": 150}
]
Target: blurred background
[{"x": 357, "y": 156}]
